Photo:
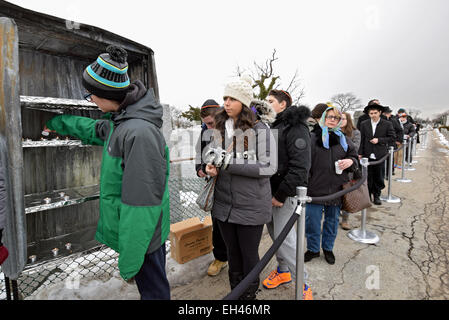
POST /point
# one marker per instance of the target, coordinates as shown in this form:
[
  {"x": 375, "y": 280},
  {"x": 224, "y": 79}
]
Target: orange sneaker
[
  {"x": 307, "y": 293},
  {"x": 277, "y": 278}
]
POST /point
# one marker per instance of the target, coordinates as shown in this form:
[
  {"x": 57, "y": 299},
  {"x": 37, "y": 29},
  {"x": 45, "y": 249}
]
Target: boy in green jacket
[{"x": 134, "y": 198}]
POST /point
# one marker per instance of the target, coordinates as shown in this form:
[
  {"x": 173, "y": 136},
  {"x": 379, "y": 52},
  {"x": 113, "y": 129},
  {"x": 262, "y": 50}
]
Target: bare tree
[
  {"x": 265, "y": 79},
  {"x": 346, "y": 101},
  {"x": 179, "y": 120},
  {"x": 414, "y": 113}
]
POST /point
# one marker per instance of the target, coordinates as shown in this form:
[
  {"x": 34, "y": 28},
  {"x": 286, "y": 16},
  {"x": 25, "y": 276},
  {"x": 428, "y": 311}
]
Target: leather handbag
[{"x": 356, "y": 200}]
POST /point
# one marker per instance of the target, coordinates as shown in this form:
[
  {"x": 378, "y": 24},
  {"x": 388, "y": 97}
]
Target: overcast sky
[{"x": 395, "y": 50}]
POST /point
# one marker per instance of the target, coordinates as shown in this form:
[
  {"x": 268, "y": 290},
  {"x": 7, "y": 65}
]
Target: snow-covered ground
[
  {"x": 443, "y": 140},
  {"x": 75, "y": 287}
]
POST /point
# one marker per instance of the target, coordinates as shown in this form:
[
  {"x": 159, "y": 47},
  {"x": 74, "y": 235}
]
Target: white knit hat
[{"x": 241, "y": 90}]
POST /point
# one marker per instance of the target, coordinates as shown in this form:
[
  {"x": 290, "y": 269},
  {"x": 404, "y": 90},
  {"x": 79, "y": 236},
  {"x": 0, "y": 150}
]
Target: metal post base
[
  {"x": 391, "y": 199},
  {"x": 363, "y": 236},
  {"x": 403, "y": 180}
]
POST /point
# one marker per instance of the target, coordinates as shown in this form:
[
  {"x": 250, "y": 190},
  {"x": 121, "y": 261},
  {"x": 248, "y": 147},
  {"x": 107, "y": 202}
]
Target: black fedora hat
[
  {"x": 387, "y": 109},
  {"x": 374, "y": 106}
]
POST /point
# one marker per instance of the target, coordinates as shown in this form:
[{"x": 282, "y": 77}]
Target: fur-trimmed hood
[
  {"x": 263, "y": 111},
  {"x": 294, "y": 115}
]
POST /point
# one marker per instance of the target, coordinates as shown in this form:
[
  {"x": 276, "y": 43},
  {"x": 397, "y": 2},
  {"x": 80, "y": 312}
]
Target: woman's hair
[
  {"x": 317, "y": 112},
  {"x": 282, "y": 95},
  {"x": 245, "y": 121},
  {"x": 349, "y": 128}
]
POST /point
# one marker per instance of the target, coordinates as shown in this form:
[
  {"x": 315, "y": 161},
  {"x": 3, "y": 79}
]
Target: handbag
[
  {"x": 356, "y": 200},
  {"x": 205, "y": 199}
]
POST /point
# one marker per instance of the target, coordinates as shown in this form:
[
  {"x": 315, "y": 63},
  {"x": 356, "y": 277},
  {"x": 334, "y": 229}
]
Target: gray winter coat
[
  {"x": 242, "y": 191},
  {"x": 2, "y": 188}
]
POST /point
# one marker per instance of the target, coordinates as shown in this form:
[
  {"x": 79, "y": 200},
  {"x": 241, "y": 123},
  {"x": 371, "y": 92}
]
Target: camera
[{"x": 218, "y": 157}]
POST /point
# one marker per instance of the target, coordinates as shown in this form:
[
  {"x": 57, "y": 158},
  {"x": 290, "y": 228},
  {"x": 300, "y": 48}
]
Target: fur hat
[
  {"x": 241, "y": 90},
  {"x": 107, "y": 77}
]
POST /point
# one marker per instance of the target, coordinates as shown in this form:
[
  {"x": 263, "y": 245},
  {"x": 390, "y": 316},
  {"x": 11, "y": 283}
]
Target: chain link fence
[{"x": 100, "y": 262}]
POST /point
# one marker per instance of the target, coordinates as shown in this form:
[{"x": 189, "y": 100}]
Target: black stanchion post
[
  {"x": 409, "y": 155},
  {"x": 415, "y": 141},
  {"x": 362, "y": 235},
  {"x": 15, "y": 290},
  {"x": 403, "y": 179},
  {"x": 8, "y": 288},
  {"x": 390, "y": 198},
  {"x": 301, "y": 195}
]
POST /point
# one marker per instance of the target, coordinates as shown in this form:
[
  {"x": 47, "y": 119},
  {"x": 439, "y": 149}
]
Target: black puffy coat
[
  {"x": 398, "y": 130},
  {"x": 322, "y": 177},
  {"x": 294, "y": 159}
]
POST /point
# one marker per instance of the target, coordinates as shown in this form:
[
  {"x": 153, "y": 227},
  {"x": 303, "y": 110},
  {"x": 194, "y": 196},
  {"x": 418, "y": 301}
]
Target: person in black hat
[
  {"x": 207, "y": 114},
  {"x": 399, "y": 132},
  {"x": 376, "y": 135},
  {"x": 365, "y": 116}
]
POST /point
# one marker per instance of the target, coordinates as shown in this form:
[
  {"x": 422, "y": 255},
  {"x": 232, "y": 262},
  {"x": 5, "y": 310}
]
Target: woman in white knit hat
[{"x": 242, "y": 199}]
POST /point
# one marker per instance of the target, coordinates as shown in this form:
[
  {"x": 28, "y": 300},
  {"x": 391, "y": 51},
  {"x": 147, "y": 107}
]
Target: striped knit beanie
[{"x": 107, "y": 77}]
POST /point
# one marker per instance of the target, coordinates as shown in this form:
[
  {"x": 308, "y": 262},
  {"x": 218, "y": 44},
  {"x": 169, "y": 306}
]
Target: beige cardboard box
[{"x": 190, "y": 239}]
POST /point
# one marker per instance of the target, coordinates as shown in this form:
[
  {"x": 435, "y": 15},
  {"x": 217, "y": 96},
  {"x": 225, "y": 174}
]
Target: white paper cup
[{"x": 337, "y": 168}]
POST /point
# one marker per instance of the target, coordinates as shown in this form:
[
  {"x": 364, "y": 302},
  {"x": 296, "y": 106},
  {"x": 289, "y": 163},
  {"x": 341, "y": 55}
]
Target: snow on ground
[
  {"x": 443, "y": 139},
  {"x": 104, "y": 287},
  {"x": 115, "y": 288}
]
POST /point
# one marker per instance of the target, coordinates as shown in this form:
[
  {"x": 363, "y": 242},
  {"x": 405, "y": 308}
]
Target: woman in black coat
[{"x": 328, "y": 145}]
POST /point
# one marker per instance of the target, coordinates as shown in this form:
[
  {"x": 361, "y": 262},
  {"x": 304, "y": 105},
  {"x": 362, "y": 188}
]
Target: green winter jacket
[{"x": 134, "y": 197}]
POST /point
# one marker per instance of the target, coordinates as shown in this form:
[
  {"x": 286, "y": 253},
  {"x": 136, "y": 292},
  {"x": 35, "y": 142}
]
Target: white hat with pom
[{"x": 241, "y": 90}]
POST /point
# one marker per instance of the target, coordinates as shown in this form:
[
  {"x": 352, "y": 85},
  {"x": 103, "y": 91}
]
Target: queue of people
[
  {"x": 274, "y": 147},
  {"x": 319, "y": 149}
]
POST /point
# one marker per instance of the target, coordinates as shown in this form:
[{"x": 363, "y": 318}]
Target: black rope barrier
[
  {"x": 373, "y": 163},
  {"x": 254, "y": 273},
  {"x": 244, "y": 284}
]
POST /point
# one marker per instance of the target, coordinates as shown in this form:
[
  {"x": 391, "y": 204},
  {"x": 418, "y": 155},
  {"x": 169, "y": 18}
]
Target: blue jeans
[{"x": 314, "y": 213}]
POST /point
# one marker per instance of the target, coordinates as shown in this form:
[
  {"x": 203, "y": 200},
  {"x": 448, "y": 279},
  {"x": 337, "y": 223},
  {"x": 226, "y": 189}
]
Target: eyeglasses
[
  {"x": 333, "y": 118},
  {"x": 88, "y": 96}
]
